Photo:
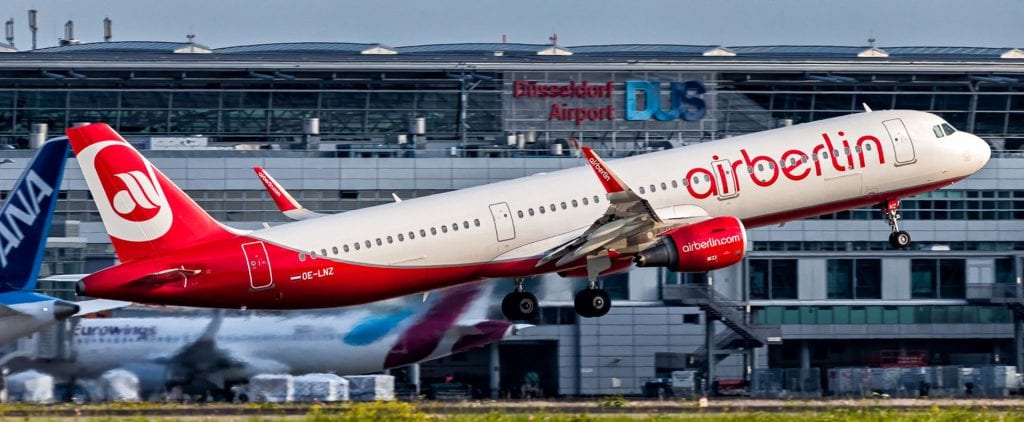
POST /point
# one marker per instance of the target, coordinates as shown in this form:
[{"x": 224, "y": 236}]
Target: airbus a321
[{"x": 686, "y": 209}]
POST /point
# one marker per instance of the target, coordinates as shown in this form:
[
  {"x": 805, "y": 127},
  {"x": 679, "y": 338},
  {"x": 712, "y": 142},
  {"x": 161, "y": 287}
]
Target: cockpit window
[
  {"x": 938, "y": 131},
  {"x": 948, "y": 129}
]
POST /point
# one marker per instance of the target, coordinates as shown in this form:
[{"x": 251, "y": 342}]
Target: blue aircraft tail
[{"x": 25, "y": 217}]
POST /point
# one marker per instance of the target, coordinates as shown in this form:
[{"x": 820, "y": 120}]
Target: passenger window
[
  {"x": 686, "y": 182},
  {"x": 379, "y": 242},
  {"x": 465, "y": 224},
  {"x": 541, "y": 209},
  {"x": 433, "y": 230},
  {"x": 597, "y": 199},
  {"x": 323, "y": 252},
  {"x": 675, "y": 185},
  {"x": 302, "y": 256},
  {"x": 455, "y": 227},
  {"x": 642, "y": 191},
  {"x": 586, "y": 202},
  {"x": 824, "y": 155},
  {"x": 948, "y": 129},
  {"x": 653, "y": 189},
  {"x": 356, "y": 245},
  {"x": 530, "y": 211},
  {"x": 867, "y": 147},
  {"x": 520, "y": 212},
  {"x": 574, "y": 203},
  {"x": 937, "y": 129},
  {"x": 423, "y": 233},
  {"x": 368, "y": 244},
  {"x": 444, "y": 229},
  {"x": 312, "y": 254},
  {"x": 857, "y": 149},
  {"x": 401, "y": 237},
  {"x": 664, "y": 186},
  {"x": 708, "y": 178},
  {"x": 552, "y": 207},
  {"x": 476, "y": 222},
  {"x": 391, "y": 240},
  {"x": 412, "y": 235},
  {"x": 344, "y": 248},
  {"x": 564, "y": 206},
  {"x": 334, "y": 250},
  {"x": 760, "y": 167}
]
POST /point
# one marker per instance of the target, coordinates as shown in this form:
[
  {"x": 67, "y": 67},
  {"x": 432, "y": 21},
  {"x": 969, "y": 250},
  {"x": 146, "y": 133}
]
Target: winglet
[
  {"x": 284, "y": 200},
  {"x": 281, "y": 197},
  {"x": 609, "y": 180},
  {"x": 867, "y": 109}
]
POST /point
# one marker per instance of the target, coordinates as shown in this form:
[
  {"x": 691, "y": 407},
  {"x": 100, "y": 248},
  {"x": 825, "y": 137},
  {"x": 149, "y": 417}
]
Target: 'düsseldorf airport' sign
[{"x": 684, "y": 97}]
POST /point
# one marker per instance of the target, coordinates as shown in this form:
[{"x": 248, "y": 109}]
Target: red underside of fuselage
[{"x": 225, "y": 280}]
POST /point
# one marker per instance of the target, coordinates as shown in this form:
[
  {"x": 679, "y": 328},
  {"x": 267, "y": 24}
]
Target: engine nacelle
[{"x": 699, "y": 247}]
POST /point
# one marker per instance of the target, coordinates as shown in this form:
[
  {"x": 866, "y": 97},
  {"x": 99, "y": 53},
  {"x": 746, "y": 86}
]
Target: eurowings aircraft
[
  {"x": 214, "y": 351},
  {"x": 686, "y": 209},
  {"x": 24, "y": 227}
]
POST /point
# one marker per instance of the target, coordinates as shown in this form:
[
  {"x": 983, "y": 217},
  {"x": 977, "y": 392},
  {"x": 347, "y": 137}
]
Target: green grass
[{"x": 413, "y": 412}]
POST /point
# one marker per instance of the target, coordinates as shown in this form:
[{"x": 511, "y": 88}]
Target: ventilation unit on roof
[
  {"x": 719, "y": 52},
  {"x": 379, "y": 49},
  {"x": 554, "y": 51},
  {"x": 1013, "y": 53},
  {"x": 873, "y": 52}
]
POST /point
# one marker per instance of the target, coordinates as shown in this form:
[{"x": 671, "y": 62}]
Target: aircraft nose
[{"x": 980, "y": 151}]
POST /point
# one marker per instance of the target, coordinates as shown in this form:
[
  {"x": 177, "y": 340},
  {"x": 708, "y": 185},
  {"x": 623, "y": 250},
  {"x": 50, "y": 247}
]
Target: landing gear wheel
[
  {"x": 592, "y": 303},
  {"x": 519, "y": 306},
  {"x": 899, "y": 240}
]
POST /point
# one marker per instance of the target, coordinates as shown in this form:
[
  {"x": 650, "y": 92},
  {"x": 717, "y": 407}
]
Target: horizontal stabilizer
[
  {"x": 172, "y": 275},
  {"x": 87, "y": 307}
]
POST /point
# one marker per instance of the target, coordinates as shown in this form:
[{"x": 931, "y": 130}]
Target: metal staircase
[
  {"x": 726, "y": 310},
  {"x": 1010, "y": 295}
]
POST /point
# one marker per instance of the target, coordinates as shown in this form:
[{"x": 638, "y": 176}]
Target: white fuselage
[{"x": 908, "y": 163}]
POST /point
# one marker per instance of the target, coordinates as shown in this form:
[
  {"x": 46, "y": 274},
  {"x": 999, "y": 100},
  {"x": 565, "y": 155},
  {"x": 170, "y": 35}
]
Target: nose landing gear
[
  {"x": 519, "y": 304},
  {"x": 899, "y": 239}
]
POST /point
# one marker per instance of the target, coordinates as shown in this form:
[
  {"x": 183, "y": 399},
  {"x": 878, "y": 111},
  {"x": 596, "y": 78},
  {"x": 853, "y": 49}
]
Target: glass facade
[
  {"x": 773, "y": 279},
  {"x": 854, "y": 278},
  {"x": 903, "y": 314}
]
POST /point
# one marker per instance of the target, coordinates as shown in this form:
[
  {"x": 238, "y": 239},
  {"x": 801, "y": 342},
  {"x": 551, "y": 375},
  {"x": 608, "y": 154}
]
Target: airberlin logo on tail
[
  {"x": 135, "y": 208},
  {"x": 140, "y": 194},
  {"x": 725, "y": 179}
]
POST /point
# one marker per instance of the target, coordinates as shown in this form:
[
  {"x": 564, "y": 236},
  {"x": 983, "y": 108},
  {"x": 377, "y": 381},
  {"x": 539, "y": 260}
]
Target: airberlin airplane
[{"x": 686, "y": 209}]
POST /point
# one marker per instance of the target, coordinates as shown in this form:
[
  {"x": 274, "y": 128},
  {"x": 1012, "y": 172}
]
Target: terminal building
[{"x": 346, "y": 125}]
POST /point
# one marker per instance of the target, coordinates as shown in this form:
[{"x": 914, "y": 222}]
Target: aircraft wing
[
  {"x": 202, "y": 357},
  {"x": 284, "y": 200},
  {"x": 630, "y": 225}
]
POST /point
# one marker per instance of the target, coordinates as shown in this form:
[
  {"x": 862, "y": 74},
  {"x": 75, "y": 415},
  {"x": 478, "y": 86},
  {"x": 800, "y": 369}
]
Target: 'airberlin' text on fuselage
[{"x": 726, "y": 177}]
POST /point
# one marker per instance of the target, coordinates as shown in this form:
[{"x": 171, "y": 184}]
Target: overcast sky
[{"x": 220, "y": 23}]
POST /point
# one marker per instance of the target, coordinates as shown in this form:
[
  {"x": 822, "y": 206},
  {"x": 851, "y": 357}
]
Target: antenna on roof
[
  {"x": 191, "y": 38},
  {"x": 871, "y": 41},
  {"x": 33, "y": 25},
  {"x": 69, "y": 34},
  {"x": 504, "y": 38},
  {"x": 108, "y": 29},
  {"x": 9, "y": 31},
  {"x": 554, "y": 39}
]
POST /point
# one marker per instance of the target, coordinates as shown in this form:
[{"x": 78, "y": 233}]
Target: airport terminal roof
[{"x": 614, "y": 51}]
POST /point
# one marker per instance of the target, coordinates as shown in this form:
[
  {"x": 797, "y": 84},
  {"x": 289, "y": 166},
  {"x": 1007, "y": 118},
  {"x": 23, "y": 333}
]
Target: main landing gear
[
  {"x": 520, "y": 304},
  {"x": 899, "y": 239},
  {"x": 592, "y": 302}
]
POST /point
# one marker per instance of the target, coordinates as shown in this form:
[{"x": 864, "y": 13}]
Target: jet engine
[{"x": 700, "y": 247}]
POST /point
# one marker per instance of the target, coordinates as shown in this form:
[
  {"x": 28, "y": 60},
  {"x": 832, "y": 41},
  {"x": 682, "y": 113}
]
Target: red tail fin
[{"x": 144, "y": 212}]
